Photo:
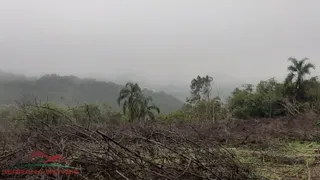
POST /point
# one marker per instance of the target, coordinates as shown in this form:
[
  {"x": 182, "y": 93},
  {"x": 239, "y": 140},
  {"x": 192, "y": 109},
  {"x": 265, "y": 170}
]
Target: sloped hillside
[{"x": 74, "y": 90}]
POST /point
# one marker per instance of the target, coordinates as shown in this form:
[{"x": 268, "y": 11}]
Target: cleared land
[{"x": 284, "y": 148}]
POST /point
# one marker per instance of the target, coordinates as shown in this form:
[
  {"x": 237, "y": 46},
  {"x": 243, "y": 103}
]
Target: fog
[{"x": 163, "y": 41}]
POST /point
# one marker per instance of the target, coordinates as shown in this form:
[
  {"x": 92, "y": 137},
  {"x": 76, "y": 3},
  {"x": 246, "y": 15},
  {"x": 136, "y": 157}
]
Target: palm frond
[
  {"x": 136, "y": 88},
  {"x": 306, "y": 68},
  {"x": 153, "y": 107},
  {"x": 291, "y": 68},
  {"x": 125, "y": 91},
  {"x": 129, "y": 84},
  {"x": 302, "y": 62},
  {"x": 314, "y": 79},
  {"x": 121, "y": 97},
  {"x": 151, "y": 115},
  {"x": 289, "y": 78},
  {"x": 294, "y": 61}
]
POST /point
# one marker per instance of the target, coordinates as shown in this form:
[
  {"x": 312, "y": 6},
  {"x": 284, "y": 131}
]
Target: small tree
[
  {"x": 131, "y": 96},
  {"x": 135, "y": 103},
  {"x": 87, "y": 114},
  {"x": 201, "y": 88}
]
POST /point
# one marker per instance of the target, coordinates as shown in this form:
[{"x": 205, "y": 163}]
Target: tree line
[{"x": 298, "y": 93}]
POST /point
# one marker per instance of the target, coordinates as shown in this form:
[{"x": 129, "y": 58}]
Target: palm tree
[
  {"x": 147, "y": 110},
  {"x": 298, "y": 70},
  {"x": 135, "y": 103},
  {"x": 131, "y": 96}
]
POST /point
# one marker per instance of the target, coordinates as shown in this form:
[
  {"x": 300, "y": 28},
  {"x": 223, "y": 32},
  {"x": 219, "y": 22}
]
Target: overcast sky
[{"x": 159, "y": 39}]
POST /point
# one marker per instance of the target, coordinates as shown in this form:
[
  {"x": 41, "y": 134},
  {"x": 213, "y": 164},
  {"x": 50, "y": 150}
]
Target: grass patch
[{"x": 286, "y": 160}]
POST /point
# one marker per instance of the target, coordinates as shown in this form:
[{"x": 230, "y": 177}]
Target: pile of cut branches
[
  {"x": 136, "y": 151},
  {"x": 129, "y": 151}
]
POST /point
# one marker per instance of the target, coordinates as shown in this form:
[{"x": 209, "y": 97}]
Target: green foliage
[
  {"x": 200, "y": 89},
  {"x": 41, "y": 115},
  {"x": 241, "y": 103},
  {"x": 199, "y": 111},
  {"x": 220, "y": 110},
  {"x": 135, "y": 104},
  {"x": 87, "y": 114},
  {"x": 312, "y": 94},
  {"x": 261, "y": 102},
  {"x": 177, "y": 116},
  {"x": 202, "y": 106},
  {"x": 271, "y": 98}
]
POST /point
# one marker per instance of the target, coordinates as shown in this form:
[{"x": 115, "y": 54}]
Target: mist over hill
[
  {"x": 168, "y": 94},
  {"x": 66, "y": 89},
  {"x": 180, "y": 88}
]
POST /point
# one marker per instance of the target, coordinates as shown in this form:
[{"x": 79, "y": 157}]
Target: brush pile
[{"x": 131, "y": 151}]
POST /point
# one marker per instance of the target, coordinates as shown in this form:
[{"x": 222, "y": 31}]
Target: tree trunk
[{"x": 213, "y": 112}]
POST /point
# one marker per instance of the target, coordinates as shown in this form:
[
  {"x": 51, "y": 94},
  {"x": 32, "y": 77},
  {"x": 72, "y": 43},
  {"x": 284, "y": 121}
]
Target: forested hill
[{"x": 74, "y": 90}]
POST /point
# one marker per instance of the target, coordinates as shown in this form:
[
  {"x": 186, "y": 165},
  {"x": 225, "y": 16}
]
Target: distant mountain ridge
[{"x": 74, "y": 89}]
